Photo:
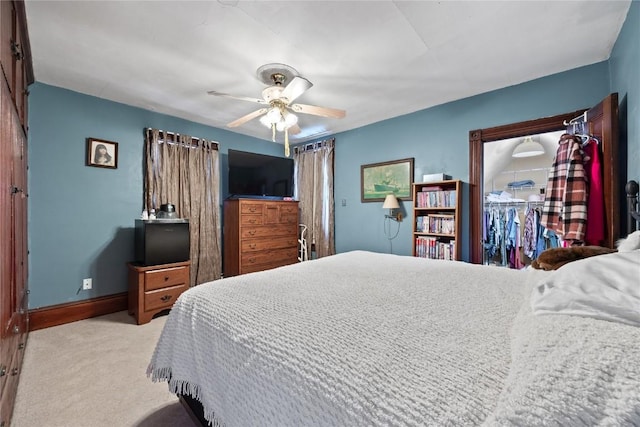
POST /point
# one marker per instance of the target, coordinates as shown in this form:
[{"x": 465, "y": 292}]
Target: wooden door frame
[{"x": 478, "y": 137}]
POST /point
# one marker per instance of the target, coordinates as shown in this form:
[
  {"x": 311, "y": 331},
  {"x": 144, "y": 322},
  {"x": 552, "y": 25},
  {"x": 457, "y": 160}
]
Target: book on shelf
[
  {"x": 432, "y": 248},
  {"x": 436, "y": 198},
  {"x": 440, "y": 224}
]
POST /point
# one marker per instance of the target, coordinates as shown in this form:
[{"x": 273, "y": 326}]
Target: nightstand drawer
[
  {"x": 166, "y": 277},
  {"x": 163, "y": 298}
]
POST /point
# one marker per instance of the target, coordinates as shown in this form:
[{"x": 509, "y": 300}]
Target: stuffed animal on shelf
[{"x": 554, "y": 258}]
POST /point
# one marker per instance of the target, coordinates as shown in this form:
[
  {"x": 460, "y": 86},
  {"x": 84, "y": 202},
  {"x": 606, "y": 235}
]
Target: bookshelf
[{"x": 437, "y": 219}]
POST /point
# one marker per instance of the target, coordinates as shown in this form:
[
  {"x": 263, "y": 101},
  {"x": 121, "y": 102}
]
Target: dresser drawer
[
  {"x": 248, "y": 232},
  {"x": 251, "y": 220},
  {"x": 269, "y": 256},
  {"x": 251, "y": 208},
  {"x": 289, "y": 218},
  {"x": 255, "y": 245},
  {"x": 163, "y": 298},
  {"x": 273, "y": 259},
  {"x": 166, "y": 277},
  {"x": 289, "y": 214}
]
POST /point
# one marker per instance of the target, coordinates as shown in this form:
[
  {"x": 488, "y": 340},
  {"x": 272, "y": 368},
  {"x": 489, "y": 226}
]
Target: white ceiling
[{"x": 374, "y": 59}]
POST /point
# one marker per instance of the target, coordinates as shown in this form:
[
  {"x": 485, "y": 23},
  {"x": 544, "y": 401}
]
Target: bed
[{"x": 363, "y": 338}]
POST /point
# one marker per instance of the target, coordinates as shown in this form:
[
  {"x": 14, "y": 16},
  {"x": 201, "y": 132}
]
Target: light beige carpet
[{"x": 92, "y": 373}]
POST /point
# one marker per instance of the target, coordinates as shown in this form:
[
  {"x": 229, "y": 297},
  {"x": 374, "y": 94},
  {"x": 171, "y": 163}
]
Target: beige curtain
[
  {"x": 184, "y": 171},
  {"x": 314, "y": 191}
]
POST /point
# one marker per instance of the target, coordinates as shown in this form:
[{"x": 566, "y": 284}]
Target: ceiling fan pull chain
[
  {"x": 273, "y": 132},
  {"x": 286, "y": 142}
]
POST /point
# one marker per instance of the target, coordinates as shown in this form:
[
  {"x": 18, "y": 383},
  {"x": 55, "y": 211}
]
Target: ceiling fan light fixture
[
  {"x": 274, "y": 115},
  {"x": 528, "y": 148},
  {"x": 290, "y": 119},
  {"x": 265, "y": 121}
]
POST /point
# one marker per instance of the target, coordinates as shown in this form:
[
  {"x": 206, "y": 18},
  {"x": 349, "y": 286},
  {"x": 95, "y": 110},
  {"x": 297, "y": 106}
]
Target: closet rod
[
  {"x": 526, "y": 170},
  {"x": 512, "y": 204}
]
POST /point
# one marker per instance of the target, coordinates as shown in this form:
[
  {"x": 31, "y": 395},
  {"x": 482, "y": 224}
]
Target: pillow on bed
[{"x": 604, "y": 287}]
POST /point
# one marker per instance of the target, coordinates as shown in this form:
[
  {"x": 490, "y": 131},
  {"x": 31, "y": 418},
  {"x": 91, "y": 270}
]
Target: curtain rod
[
  {"x": 193, "y": 138},
  {"x": 312, "y": 145}
]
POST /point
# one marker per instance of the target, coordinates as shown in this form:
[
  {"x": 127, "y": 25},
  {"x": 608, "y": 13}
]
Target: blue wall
[
  {"x": 438, "y": 139},
  {"x": 625, "y": 80},
  {"x": 81, "y": 218}
]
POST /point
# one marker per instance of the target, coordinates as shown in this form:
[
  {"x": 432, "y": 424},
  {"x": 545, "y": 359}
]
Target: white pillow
[
  {"x": 605, "y": 287},
  {"x": 630, "y": 243}
]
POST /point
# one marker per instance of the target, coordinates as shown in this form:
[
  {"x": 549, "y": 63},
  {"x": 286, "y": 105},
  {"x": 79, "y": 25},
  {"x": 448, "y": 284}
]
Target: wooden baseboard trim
[{"x": 71, "y": 312}]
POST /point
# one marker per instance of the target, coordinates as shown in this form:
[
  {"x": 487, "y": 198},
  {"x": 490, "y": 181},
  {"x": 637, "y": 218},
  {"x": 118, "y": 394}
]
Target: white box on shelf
[{"x": 435, "y": 177}]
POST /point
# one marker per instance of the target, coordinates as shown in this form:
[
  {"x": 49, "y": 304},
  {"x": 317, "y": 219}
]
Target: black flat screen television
[
  {"x": 259, "y": 175},
  {"x": 161, "y": 241}
]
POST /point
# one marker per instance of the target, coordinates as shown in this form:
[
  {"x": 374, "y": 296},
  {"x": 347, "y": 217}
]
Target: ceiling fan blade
[
  {"x": 244, "y": 119},
  {"x": 294, "y": 130},
  {"x": 241, "y": 98},
  {"x": 318, "y": 111},
  {"x": 295, "y": 88}
]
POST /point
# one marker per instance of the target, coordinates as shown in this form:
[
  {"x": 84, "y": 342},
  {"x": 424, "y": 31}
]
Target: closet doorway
[
  {"x": 602, "y": 122},
  {"x": 515, "y": 174}
]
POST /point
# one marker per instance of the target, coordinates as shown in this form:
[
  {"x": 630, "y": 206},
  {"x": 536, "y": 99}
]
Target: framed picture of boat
[{"x": 379, "y": 179}]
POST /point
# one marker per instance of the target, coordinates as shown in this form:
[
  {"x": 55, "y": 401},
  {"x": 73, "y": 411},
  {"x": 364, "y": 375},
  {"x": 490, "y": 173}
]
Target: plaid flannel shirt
[{"x": 565, "y": 205}]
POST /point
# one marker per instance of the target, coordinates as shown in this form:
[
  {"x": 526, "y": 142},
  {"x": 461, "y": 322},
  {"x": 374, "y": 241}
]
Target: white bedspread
[{"x": 371, "y": 339}]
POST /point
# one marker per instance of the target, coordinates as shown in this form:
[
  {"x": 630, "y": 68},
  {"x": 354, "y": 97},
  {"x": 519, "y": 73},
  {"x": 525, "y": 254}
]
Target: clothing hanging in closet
[{"x": 510, "y": 232}]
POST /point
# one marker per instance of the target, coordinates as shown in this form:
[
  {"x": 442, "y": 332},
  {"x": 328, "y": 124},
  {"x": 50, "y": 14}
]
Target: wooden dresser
[
  {"x": 155, "y": 288},
  {"x": 259, "y": 235}
]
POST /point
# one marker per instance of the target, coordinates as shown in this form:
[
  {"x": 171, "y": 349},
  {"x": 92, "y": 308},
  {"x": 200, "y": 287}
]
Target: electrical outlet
[{"x": 87, "y": 284}]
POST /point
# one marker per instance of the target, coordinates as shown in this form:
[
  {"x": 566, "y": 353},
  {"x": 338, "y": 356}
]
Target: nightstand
[{"x": 155, "y": 288}]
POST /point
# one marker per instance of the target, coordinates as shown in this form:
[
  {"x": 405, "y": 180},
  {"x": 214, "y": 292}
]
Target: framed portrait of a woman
[{"x": 101, "y": 153}]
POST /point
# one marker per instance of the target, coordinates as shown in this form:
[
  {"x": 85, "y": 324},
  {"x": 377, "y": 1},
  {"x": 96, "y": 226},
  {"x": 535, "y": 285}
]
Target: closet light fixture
[
  {"x": 391, "y": 203},
  {"x": 528, "y": 148}
]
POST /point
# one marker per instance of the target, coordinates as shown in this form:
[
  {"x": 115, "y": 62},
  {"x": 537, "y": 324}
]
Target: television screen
[{"x": 259, "y": 175}]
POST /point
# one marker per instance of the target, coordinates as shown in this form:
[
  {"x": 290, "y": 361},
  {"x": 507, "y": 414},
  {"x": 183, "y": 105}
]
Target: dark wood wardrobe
[{"x": 17, "y": 74}]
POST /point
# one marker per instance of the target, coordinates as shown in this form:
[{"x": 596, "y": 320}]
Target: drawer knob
[
  {"x": 16, "y": 329},
  {"x": 166, "y": 298},
  {"x": 252, "y": 209},
  {"x": 166, "y": 278},
  {"x": 3, "y": 370},
  {"x": 14, "y": 372},
  {"x": 252, "y": 232},
  {"x": 20, "y": 346},
  {"x": 252, "y": 221},
  {"x": 252, "y": 260},
  {"x": 252, "y": 246}
]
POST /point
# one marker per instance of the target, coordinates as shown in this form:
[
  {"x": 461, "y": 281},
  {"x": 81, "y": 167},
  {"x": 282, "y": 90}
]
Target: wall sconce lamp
[{"x": 391, "y": 203}]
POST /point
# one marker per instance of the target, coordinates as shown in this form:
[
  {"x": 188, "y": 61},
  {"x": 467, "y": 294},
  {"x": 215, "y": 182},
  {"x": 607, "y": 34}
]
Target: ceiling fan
[{"x": 278, "y": 111}]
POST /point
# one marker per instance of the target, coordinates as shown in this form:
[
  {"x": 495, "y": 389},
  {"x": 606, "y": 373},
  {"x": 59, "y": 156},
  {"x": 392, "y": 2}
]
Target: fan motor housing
[{"x": 272, "y": 92}]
